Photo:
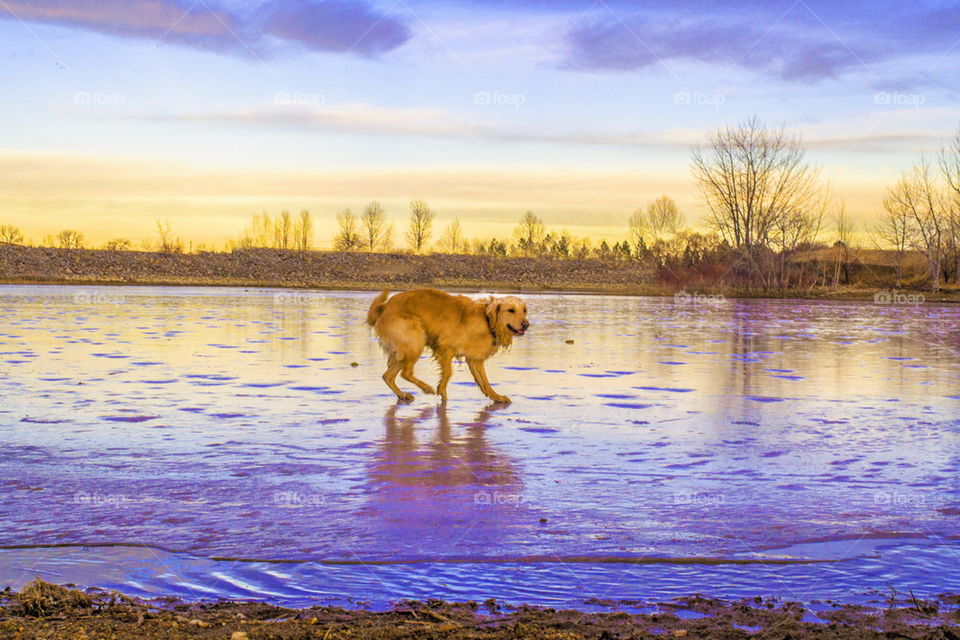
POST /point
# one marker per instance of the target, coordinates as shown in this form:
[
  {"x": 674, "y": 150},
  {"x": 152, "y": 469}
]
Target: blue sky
[{"x": 119, "y": 112}]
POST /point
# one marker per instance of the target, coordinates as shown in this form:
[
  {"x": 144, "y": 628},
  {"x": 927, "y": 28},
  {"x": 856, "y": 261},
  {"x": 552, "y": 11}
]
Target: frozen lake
[{"x": 151, "y": 438}]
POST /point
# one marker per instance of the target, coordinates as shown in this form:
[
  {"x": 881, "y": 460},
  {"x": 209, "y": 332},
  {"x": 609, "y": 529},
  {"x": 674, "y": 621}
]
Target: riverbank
[
  {"x": 52, "y": 612},
  {"x": 368, "y": 272},
  {"x": 315, "y": 270}
]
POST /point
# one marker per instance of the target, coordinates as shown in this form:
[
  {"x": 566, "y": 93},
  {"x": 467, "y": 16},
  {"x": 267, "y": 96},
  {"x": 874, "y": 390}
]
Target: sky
[{"x": 118, "y": 113}]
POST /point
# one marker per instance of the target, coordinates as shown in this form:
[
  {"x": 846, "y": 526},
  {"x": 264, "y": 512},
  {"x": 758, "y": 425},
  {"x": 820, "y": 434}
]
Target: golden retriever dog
[{"x": 452, "y": 326}]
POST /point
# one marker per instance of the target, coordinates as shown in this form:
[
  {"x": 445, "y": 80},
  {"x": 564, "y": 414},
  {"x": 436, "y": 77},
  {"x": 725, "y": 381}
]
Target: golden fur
[{"x": 452, "y": 326}]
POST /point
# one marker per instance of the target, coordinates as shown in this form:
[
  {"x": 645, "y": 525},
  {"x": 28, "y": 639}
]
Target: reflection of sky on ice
[{"x": 230, "y": 423}]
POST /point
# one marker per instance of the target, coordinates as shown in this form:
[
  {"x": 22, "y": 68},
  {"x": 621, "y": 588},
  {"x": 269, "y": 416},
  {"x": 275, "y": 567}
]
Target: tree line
[
  {"x": 771, "y": 222},
  {"x": 921, "y": 212},
  {"x": 279, "y": 232}
]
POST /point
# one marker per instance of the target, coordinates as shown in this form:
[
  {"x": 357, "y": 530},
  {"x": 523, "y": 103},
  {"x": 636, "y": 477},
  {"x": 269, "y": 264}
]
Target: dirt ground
[
  {"x": 51, "y": 612},
  {"x": 369, "y": 272}
]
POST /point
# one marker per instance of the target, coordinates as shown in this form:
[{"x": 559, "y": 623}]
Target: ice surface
[{"x": 229, "y": 423}]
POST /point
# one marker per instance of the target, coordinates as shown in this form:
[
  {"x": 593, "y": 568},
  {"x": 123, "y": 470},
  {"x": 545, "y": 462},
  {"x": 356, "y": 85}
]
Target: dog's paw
[
  {"x": 499, "y": 399},
  {"x": 405, "y": 398},
  {"x": 428, "y": 389}
]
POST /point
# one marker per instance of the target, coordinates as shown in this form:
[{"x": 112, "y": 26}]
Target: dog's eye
[{"x": 513, "y": 310}]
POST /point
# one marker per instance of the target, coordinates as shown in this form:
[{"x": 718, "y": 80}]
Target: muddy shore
[
  {"x": 365, "y": 272},
  {"x": 52, "y": 612}
]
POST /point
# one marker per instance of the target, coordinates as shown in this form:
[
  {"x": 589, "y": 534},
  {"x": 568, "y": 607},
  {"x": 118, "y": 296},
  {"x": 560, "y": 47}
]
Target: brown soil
[
  {"x": 51, "y": 612},
  {"x": 313, "y": 269}
]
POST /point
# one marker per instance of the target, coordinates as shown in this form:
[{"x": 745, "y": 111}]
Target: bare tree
[
  {"x": 749, "y": 176},
  {"x": 117, "y": 244},
  {"x": 303, "y": 231},
  {"x": 794, "y": 230},
  {"x": 420, "y": 225},
  {"x": 168, "y": 244},
  {"x": 282, "y": 229},
  {"x": 245, "y": 241},
  {"x": 663, "y": 218},
  {"x": 163, "y": 231},
  {"x": 10, "y": 234},
  {"x": 637, "y": 232},
  {"x": 348, "y": 239},
  {"x": 386, "y": 244},
  {"x": 949, "y": 161},
  {"x": 530, "y": 233},
  {"x": 375, "y": 228},
  {"x": 69, "y": 239},
  {"x": 922, "y": 212},
  {"x": 452, "y": 240},
  {"x": 916, "y": 193},
  {"x": 843, "y": 229},
  {"x": 261, "y": 230},
  {"x": 893, "y": 231},
  {"x": 262, "y": 233},
  {"x": 654, "y": 228}
]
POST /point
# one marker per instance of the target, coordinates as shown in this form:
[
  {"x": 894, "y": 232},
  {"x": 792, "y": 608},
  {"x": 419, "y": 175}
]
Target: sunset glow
[{"x": 122, "y": 113}]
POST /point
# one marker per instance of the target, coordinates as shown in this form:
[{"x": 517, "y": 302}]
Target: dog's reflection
[
  {"x": 438, "y": 487},
  {"x": 446, "y": 459}
]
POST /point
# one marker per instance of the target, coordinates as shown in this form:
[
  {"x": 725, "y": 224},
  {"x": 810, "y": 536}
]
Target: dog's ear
[
  {"x": 501, "y": 335},
  {"x": 492, "y": 309}
]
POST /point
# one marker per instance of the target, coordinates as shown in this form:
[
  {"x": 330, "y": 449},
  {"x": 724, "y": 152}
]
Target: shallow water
[{"x": 216, "y": 425}]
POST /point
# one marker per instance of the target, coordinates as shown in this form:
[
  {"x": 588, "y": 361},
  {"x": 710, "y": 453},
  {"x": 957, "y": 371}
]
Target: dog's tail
[{"x": 376, "y": 307}]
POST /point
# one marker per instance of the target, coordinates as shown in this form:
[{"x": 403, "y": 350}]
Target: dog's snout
[{"x": 525, "y": 325}]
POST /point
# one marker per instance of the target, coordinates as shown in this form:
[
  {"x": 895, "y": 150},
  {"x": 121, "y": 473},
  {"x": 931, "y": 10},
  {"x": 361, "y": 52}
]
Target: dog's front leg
[
  {"x": 480, "y": 376},
  {"x": 446, "y": 370}
]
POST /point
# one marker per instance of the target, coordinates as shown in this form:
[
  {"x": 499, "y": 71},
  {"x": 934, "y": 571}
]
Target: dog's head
[{"x": 507, "y": 317}]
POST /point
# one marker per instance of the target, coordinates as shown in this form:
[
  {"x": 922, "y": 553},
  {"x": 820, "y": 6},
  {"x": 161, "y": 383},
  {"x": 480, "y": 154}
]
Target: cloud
[
  {"x": 192, "y": 24},
  {"x": 428, "y": 123},
  {"x": 356, "y": 118},
  {"x": 812, "y": 41},
  {"x": 892, "y": 130},
  {"x": 335, "y": 25},
  {"x": 367, "y": 119},
  {"x": 641, "y": 42},
  {"x": 338, "y": 26}
]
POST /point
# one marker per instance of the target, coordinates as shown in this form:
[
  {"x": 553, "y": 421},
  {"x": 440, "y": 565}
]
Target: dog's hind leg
[
  {"x": 390, "y": 377},
  {"x": 404, "y": 340}
]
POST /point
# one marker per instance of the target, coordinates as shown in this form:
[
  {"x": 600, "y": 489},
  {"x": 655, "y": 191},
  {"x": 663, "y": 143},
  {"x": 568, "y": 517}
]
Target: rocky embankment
[{"x": 314, "y": 269}]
